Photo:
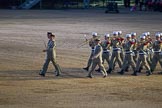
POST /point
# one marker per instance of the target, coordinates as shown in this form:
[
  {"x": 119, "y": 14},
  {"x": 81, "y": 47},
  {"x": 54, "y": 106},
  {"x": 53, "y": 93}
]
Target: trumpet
[{"x": 85, "y": 42}]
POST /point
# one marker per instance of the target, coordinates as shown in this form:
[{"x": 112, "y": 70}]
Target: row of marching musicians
[{"x": 137, "y": 52}]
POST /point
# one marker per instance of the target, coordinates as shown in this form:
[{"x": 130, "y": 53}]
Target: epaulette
[
  {"x": 121, "y": 39},
  {"x": 108, "y": 42},
  {"x": 145, "y": 43},
  {"x": 132, "y": 42}
]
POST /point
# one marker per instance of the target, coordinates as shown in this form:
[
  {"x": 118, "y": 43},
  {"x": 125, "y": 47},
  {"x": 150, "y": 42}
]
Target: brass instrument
[{"x": 86, "y": 41}]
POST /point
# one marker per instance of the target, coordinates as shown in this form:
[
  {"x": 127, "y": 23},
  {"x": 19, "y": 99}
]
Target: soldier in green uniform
[
  {"x": 161, "y": 52},
  {"x": 134, "y": 39},
  {"x": 106, "y": 49},
  {"x": 121, "y": 42},
  {"x": 115, "y": 44},
  {"x": 97, "y": 59},
  {"x": 149, "y": 51},
  {"x": 92, "y": 45},
  {"x": 142, "y": 59},
  {"x": 128, "y": 59},
  {"x": 157, "y": 49},
  {"x": 51, "y": 55}
]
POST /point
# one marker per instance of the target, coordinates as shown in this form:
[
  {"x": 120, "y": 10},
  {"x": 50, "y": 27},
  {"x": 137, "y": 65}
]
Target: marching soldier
[
  {"x": 51, "y": 55},
  {"x": 149, "y": 51},
  {"x": 134, "y": 53},
  {"x": 128, "y": 59},
  {"x": 92, "y": 45},
  {"x": 115, "y": 44},
  {"x": 134, "y": 39},
  {"x": 121, "y": 46},
  {"x": 121, "y": 42},
  {"x": 106, "y": 49},
  {"x": 97, "y": 59},
  {"x": 142, "y": 59},
  {"x": 161, "y": 41},
  {"x": 157, "y": 49}
]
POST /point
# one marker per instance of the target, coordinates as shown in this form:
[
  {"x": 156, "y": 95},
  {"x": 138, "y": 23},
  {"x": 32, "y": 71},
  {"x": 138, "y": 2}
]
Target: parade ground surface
[{"x": 22, "y": 37}]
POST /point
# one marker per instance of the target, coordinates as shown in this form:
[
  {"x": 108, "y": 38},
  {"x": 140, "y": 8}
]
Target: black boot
[
  {"x": 134, "y": 73},
  {"x": 148, "y": 73},
  {"x": 121, "y": 72},
  {"x": 86, "y": 68},
  {"x": 109, "y": 71},
  {"x": 57, "y": 73},
  {"x": 98, "y": 70},
  {"x": 40, "y": 73},
  {"x": 160, "y": 73},
  {"x": 127, "y": 69},
  {"x": 43, "y": 75},
  {"x": 90, "y": 76}
]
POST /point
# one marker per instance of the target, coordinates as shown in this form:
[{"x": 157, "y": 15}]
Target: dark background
[{"x": 46, "y": 4}]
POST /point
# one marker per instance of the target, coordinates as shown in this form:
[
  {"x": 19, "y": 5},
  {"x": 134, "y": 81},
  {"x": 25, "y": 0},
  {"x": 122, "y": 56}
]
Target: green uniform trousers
[
  {"x": 90, "y": 59},
  {"x": 45, "y": 66},
  {"x": 135, "y": 56},
  {"x": 142, "y": 61},
  {"x": 156, "y": 58},
  {"x": 115, "y": 57},
  {"x": 128, "y": 60},
  {"x": 99, "y": 63},
  {"x": 105, "y": 56}
]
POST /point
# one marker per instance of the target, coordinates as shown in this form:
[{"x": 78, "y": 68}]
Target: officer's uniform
[
  {"x": 116, "y": 50},
  {"x": 51, "y": 56},
  {"x": 106, "y": 49},
  {"x": 92, "y": 45},
  {"x": 97, "y": 60},
  {"x": 157, "y": 56},
  {"x": 128, "y": 59},
  {"x": 142, "y": 59}
]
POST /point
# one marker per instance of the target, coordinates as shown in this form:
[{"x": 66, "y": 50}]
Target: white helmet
[
  {"x": 133, "y": 34},
  {"x": 142, "y": 37},
  {"x": 144, "y": 34},
  {"x": 148, "y": 33},
  {"x": 157, "y": 34},
  {"x": 94, "y": 34},
  {"x": 107, "y": 35},
  {"x": 160, "y": 34},
  {"x": 115, "y": 33},
  {"x": 119, "y": 32},
  {"x": 128, "y": 36}
]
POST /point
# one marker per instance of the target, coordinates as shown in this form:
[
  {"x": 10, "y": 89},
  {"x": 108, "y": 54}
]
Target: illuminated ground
[{"x": 21, "y": 43}]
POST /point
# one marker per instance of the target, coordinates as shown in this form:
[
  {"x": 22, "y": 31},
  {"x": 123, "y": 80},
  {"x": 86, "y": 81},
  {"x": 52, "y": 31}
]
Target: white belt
[
  {"x": 93, "y": 49},
  {"x": 142, "y": 53},
  {"x": 106, "y": 51},
  {"x": 157, "y": 51},
  {"x": 116, "y": 48},
  {"x": 128, "y": 52}
]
